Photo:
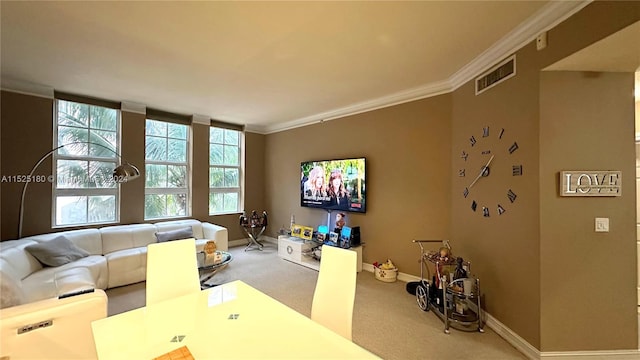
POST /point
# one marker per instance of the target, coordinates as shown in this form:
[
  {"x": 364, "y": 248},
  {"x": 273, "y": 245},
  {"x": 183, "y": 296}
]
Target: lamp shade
[
  {"x": 121, "y": 174},
  {"x": 125, "y": 172}
]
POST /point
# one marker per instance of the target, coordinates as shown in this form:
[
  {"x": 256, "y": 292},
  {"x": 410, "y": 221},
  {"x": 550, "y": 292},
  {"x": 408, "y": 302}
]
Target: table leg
[
  {"x": 254, "y": 234},
  {"x": 205, "y": 278}
]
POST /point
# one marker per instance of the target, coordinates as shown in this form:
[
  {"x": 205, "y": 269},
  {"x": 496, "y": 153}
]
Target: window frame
[
  {"x": 87, "y": 192},
  {"x": 187, "y": 164},
  {"x": 239, "y": 190}
]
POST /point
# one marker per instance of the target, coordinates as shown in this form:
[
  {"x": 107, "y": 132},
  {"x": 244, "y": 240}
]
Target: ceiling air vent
[{"x": 497, "y": 74}]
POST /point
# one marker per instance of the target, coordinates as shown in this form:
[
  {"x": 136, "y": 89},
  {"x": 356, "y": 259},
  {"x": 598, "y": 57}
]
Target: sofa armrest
[
  {"x": 61, "y": 328},
  {"x": 217, "y": 233}
]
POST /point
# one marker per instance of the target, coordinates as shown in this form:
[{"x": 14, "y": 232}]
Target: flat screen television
[{"x": 334, "y": 184}]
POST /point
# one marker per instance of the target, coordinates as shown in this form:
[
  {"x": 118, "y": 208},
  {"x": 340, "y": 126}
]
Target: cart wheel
[{"x": 422, "y": 296}]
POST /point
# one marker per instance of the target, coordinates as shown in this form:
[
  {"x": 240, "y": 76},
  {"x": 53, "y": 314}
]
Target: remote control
[{"x": 79, "y": 292}]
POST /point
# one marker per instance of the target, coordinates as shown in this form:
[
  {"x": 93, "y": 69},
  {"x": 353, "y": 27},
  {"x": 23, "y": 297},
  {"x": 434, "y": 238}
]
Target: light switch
[{"x": 602, "y": 224}]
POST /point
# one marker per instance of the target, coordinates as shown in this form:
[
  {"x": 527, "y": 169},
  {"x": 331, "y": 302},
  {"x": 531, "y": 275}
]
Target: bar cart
[{"x": 453, "y": 293}]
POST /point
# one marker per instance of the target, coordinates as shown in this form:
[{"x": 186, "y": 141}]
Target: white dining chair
[
  {"x": 335, "y": 291},
  {"x": 172, "y": 270}
]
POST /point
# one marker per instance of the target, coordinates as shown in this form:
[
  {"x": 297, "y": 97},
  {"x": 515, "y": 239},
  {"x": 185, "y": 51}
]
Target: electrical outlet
[{"x": 602, "y": 224}]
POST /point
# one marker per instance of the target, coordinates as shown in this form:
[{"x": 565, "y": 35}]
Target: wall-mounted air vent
[{"x": 497, "y": 74}]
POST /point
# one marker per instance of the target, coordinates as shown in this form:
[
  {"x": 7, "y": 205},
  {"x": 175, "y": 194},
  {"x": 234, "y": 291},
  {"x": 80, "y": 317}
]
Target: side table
[{"x": 207, "y": 271}]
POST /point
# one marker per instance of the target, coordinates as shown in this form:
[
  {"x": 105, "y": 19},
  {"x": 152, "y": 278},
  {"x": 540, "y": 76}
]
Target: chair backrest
[
  {"x": 335, "y": 291},
  {"x": 172, "y": 270},
  {"x": 68, "y": 336}
]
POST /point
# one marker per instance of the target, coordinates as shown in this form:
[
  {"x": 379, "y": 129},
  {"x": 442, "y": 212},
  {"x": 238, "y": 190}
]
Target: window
[
  {"x": 224, "y": 171},
  {"x": 84, "y": 189},
  {"x": 167, "y": 172}
]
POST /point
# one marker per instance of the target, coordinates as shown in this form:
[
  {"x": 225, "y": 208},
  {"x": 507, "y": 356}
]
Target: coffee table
[{"x": 207, "y": 271}]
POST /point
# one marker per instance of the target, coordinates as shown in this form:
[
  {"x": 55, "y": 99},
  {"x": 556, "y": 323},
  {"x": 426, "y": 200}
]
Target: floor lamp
[{"x": 122, "y": 173}]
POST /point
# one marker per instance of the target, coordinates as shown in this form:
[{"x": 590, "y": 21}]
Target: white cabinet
[{"x": 293, "y": 249}]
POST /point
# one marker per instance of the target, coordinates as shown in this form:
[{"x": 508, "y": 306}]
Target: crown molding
[
  {"x": 27, "y": 88},
  {"x": 401, "y": 97},
  {"x": 544, "y": 19},
  {"x": 201, "y": 119},
  {"x": 133, "y": 107},
  {"x": 550, "y": 15},
  {"x": 257, "y": 129}
]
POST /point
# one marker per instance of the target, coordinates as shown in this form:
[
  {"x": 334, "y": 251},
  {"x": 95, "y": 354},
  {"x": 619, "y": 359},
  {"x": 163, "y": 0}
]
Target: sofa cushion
[
  {"x": 16, "y": 261},
  {"x": 54, "y": 281},
  {"x": 87, "y": 239},
  {"x": 127, "y": 266},
  {"x": 196, "y": 226},
  {"x": 11, "y": 293},
  {"x": 178, "y": 234},
  {"x": 122, "y": 237},
  {"x": 56, "y": 252}
]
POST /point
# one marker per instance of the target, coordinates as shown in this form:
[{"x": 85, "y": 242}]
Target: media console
[{"x": 297, "y": 251}]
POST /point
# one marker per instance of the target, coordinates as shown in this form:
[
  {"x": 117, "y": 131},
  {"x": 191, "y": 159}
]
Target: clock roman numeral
[
  {"x": 465, "y": 192},
  {"x": 485, "y": 211},
  {"x": 485, "y": 131},
  {"x": 461, "y": 172},
  {"x": 474, "y": 205},
  {"x": 501, "y": 210},
  {"x": 511, "y": 195},
  {"x": 501, "y": 133},
  {"x": 517, "y": 170},
  {"x": 472, "y": 140},
  {"x": 513, "y": 147},
  {"x": 464, "y": 155}
]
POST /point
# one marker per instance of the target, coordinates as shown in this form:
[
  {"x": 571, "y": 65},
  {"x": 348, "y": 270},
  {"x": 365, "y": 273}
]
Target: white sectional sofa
[{"x": 117, "y": 256}]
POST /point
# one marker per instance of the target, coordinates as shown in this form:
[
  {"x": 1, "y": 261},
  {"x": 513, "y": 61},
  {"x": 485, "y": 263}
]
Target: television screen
[{"x": 333, "y": 184}]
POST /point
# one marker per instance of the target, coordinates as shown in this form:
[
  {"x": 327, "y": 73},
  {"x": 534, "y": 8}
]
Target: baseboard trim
[
  {"x": 245, "y": 241},
  {"x": 529, "y": 350},
  {"x": 507, "y": 334},
  {"x": 511, "y": 337},
  {"x": 579, "y": 355}
]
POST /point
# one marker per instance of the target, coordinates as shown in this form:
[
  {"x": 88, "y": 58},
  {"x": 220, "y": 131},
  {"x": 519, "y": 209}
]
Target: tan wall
[
  {"x": 408, "y": 175},
  {"x": 503, "y": 249},
  {"x": 22, "y": 146},
  {"x": 132, "y": 145},
  {"x": 586, "y": 123},
  {"x": 25, "y": 138},
  {"x": 511, "y": 257}
]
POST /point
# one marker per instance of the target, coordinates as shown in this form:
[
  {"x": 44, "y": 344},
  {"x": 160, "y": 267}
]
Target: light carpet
[{"x": 386, "y": 318}]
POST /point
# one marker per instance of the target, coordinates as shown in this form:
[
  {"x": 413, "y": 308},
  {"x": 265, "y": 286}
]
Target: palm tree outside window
[
  {"x": 166, "y": 170},
  {"x": 224, "y": 171},
  {"x": 84, "y": 190}
]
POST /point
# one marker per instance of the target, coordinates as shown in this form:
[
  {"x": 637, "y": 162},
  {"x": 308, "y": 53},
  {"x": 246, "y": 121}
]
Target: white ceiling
[{"x": 267, "y": 65}]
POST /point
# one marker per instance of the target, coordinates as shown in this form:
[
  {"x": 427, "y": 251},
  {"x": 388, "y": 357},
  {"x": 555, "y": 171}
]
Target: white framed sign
[{"x": 591, "y": 183}]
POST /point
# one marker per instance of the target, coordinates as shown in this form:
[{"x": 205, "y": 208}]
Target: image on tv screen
[{"x": 333, "y": 184}]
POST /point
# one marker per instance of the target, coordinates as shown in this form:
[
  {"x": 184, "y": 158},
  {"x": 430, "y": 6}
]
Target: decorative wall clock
[{"x": 488, "y": 164}]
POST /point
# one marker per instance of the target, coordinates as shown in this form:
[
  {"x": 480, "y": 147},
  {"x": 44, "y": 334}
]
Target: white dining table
[{"x": 230, "y": 321}]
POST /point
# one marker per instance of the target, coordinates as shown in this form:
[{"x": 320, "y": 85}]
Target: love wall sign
[{"x": 591, "y": 183}]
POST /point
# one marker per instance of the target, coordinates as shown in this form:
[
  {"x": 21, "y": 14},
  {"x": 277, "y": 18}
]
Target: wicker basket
[{"x": 386, "y": 275}]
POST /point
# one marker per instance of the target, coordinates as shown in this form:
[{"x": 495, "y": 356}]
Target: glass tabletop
[{"x": 213, "y": 261}]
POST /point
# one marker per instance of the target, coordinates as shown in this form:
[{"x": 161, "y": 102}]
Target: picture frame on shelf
[
  {"x": 307, "y": 232},
  {"x": 296, "y": 230}
]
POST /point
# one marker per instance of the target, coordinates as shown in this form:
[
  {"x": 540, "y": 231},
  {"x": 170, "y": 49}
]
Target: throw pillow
[
  {"x": 11, "y": 293},
  {"x": 178, "y": 234},
  {"x": 56, "y": 252}
]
